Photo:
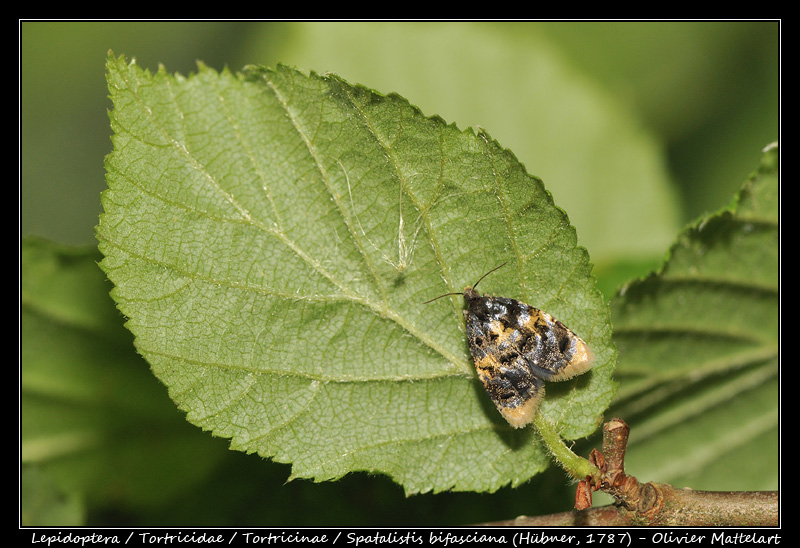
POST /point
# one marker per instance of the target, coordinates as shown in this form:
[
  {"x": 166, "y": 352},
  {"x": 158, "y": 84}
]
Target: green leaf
[
  {"x": 600, "y": 162},
  {"x": 699, "y": 348},
  {"x": 272, "y": 236},
  {"x": 95, "y": 426}
]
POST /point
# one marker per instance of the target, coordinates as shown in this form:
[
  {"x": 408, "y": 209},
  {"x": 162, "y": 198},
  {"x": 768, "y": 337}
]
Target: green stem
[{"x": 577, "y": 467}]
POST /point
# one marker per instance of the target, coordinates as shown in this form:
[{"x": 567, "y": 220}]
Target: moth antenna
[
  {"x": 473, "y": 287},
  {"x": 440, "y": 296},
  {"x": 492, "y": 270}
]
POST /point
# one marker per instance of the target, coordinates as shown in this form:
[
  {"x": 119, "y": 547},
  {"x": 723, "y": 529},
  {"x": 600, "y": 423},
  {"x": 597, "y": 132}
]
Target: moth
[{"x": 516, "y": 348}]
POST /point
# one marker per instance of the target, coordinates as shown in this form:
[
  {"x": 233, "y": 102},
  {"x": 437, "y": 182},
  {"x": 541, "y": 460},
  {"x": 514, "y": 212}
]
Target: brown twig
[{"x": 653, "y": 503}]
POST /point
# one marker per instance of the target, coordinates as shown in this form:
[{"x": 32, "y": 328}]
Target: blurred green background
[
  {"x": 696, "y": 101},
  {"x": 636, "y": 128}
]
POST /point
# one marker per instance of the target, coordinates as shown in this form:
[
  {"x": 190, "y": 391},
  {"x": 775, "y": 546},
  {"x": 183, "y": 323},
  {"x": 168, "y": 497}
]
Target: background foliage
[{"x": 665, "y": 127}]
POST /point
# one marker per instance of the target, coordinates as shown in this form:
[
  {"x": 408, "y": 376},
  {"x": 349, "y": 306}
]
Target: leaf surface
[
  {"x": 95, "y": 427},
  {"x": 699, "y": 348},
  {"x": 271, "y": 236}
]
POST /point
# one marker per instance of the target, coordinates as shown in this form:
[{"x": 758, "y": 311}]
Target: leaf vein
[{"x": 325, "y": 178}]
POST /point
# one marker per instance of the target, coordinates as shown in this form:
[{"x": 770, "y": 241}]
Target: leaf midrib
[{"x": 381, "y": 309}]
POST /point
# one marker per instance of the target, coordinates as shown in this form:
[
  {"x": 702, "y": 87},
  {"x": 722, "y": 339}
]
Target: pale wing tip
[
  {"x": 582, "y": 360},
  {"x": 522, "y": 415}
]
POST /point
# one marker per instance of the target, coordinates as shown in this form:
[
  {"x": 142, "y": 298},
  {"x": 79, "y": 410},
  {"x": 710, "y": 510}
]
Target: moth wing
[
  {"x": 554, "y": 352},
  {"x": 515, "y": 391}
]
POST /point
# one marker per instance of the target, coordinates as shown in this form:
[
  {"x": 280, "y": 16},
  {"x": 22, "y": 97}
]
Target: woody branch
[{"x": 654, "y": 503}]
